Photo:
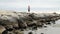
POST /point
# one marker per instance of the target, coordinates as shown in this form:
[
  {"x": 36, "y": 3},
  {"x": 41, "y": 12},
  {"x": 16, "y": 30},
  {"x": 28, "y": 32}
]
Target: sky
[{"x": 36, "y": 5}]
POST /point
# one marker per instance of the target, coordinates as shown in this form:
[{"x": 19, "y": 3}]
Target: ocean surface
[{"x": 51, "y": 29}]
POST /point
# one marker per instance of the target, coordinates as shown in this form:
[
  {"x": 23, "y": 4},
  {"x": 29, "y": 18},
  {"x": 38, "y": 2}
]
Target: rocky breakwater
[{"x": 17, "y": 22}]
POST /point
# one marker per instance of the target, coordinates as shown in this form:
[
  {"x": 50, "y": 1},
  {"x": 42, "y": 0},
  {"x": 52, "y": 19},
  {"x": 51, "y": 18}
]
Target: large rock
[{"x": 2, "y": 29}]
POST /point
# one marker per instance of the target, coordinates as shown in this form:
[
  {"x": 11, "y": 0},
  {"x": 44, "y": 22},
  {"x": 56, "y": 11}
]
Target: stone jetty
[{"x": 16, "y": 22}]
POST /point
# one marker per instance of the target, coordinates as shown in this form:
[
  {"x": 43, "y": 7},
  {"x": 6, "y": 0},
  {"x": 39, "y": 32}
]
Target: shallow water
[{"x": 51, "y": 29}]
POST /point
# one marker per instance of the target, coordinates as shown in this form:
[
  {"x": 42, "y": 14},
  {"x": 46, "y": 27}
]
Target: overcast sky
[{"x": 21, "y": 5}]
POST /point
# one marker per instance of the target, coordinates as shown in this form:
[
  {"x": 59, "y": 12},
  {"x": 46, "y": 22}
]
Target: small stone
[
  {"x": 30, "y": 33},
  {"x": 42, "y": 33},
  {"x": 48, "y": 23},
  {"x": 34, "y": 28},
  {"x": 22, "y": 29},
  {"x": 45, "y": 26}
]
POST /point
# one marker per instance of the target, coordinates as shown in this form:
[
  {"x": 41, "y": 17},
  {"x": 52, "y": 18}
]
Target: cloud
[{"x": 45, "y": 3}]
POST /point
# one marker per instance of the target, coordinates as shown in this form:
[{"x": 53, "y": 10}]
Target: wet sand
[{"x": 51, "y": 29}]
